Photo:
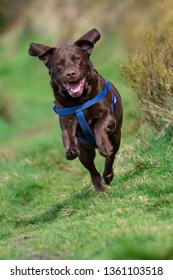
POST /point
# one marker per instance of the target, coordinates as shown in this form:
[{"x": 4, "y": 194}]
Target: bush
[{"x": 150, "y": 75}]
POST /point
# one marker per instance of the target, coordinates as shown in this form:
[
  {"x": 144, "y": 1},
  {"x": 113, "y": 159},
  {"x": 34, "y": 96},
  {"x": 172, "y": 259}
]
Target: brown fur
[{"x": 74, "y": 81}]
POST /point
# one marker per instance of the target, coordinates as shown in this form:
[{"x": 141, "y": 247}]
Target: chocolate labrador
[{"x": 89, "y": 107}]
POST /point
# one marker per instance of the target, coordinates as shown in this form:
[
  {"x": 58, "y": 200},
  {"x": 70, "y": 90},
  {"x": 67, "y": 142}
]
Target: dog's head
[{"x": 69, "y": 65}]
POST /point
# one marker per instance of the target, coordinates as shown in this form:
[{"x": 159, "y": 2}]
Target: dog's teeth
[{"x": 75, "y": 88}]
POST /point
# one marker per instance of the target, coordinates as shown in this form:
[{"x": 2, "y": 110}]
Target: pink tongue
[{"x": 74, "y": 87}]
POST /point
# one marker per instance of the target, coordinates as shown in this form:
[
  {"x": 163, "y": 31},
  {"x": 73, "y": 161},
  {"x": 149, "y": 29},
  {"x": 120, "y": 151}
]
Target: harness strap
[
  {"x": 78, "y": 110},
  {"x": 83, "y": 106},
  {"x": 89, "y": 135},
  {"x": 114, "y": 101}
]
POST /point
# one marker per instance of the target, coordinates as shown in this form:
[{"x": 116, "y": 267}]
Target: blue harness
[{"x": 78, "y": 110}]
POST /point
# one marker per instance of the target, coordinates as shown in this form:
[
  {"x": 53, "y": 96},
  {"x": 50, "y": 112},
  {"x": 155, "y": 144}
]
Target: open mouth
[{"x": 75, "y": 89}]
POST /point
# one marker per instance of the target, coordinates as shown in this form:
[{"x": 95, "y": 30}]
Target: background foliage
[{"x": 150, "y": 74}]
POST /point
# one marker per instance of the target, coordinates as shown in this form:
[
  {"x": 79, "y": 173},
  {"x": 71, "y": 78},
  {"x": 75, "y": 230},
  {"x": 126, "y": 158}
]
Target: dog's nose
[{"x": 71, "y": 74}]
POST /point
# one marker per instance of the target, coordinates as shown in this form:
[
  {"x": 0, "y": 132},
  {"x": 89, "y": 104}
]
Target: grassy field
[{"x": 48, "y": 207}]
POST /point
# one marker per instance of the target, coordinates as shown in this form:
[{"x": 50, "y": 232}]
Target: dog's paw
[
  {"x": 106, "y": 150},
  {"x": 108, "y": 178},
  {"x": 72, "y": 153},
  {"x": 98, "y": 183}
]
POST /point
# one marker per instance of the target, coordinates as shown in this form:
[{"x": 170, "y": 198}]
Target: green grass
[{"x": 48, "y": 207}]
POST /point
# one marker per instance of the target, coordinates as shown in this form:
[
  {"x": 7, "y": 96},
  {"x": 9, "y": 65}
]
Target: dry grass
[{"x": 150, "y": 75}]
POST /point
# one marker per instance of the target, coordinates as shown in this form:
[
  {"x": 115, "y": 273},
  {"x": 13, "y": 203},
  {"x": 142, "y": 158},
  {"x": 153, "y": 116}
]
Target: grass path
[{"x": 48, "y": 207}]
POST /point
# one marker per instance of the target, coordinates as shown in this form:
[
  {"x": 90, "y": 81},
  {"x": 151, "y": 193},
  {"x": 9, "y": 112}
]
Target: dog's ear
[
  {"x": 88, "y": 40},
  {"x": 43, "y": 52}
]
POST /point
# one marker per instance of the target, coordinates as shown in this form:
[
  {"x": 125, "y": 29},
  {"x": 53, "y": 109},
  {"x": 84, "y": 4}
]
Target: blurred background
[
  {"x": 23, "y": 81},
  {"x": 46, "y": 201},
  {"x": 66, "y": 20}
]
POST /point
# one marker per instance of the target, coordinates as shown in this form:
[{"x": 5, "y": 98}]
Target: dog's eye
[
  {"x": 60, "y": 62},
  {"x": 78, "y": 58}
]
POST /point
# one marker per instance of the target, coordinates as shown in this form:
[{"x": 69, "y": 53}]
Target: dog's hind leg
[
  {"x": 108, "y": 173},
  {"x": 86, "y": 157}
]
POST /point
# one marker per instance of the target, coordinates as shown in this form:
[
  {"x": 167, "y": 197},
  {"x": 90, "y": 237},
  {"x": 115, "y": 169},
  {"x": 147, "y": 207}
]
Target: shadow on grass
[
  {"x": 74, "y": 201},
  {"x": 77, "y": 201}
]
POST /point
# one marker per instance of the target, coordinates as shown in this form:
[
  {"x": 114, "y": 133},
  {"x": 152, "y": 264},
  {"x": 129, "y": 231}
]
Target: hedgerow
[{"x": 150, "y": 75}]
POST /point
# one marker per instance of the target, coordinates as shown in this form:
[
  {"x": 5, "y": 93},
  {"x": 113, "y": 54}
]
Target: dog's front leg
[
  {"x": 102, "y": 128},
  {"x": 68, "y": 125}
]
